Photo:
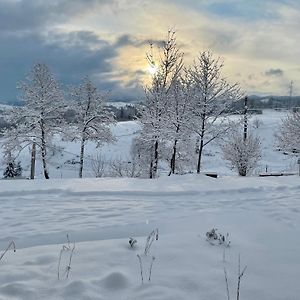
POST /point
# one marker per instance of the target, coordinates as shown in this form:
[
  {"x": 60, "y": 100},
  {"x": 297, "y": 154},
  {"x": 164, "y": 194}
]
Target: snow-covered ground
[{"x": 261, "y": 215}]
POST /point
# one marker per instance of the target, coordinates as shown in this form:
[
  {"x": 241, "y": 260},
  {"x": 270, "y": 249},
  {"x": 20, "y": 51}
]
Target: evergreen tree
[{"x": 12, "y": 170}]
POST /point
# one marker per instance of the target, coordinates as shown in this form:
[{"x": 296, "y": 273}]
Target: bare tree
[
  {"x": 142, "y": 153},
  {"x": 213, "y": 97},
  {"x": 98, "y": 164},
  {"x": 257, "y": 123},
  {"x": 40, "y": 117},
  {"x": 92, "y": 118}
]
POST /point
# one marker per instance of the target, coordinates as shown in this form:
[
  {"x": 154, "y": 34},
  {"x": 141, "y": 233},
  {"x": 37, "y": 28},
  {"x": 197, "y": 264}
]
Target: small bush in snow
[
  {"x": 257, "y": 123},
  {"x": 242, "y": 154},
  {"x": 132, "y": 242},
  {"x": 98, "y": 164},
  {"x": 215, "y": 238},
  {"x": 125, "y": 168}
]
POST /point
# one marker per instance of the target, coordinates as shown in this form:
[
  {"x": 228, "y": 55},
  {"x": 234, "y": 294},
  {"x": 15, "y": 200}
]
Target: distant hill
[
  {"x": 254, "y": 102},
  {"x": 262, "y": 102}
]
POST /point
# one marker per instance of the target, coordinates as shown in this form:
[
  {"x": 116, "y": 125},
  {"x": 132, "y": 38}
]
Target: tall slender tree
[
  {"x": 154, "y": 112},
  {"x": 92, "y": 118},
  {"x": 40, "y": 117},
  {"x": 213, "y": 96},
  {"x": 179, "y": 118}
]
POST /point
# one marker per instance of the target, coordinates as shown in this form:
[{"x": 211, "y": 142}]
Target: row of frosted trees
[
  {"x": 43, "y": 115},
  {"x": 187, "y": 108}
]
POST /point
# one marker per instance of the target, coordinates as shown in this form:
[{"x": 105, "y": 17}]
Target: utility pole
[
  {"x": 33, "y": 154},
  {"x": 245, "y": 118},
  {"x": 291, "y": 90}
]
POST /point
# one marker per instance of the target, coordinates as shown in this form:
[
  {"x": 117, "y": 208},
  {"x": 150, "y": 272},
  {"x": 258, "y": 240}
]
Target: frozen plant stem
[
  {"x": 11, "y": 244},
  {"x": 227, "y": 286},
  {"x": 151, "y": 237},
  {"x": 240, "y": 275},
  {"x": 141, "y": 267},
  {"x": 66, "y": 248},
  {"x": 150, "y": 269}
]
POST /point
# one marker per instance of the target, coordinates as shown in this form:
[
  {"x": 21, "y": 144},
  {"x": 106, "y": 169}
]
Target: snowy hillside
[{"x": 261, "y": 216}]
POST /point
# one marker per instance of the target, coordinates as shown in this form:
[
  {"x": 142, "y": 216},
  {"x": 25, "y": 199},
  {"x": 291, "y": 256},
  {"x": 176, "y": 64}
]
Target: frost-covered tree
[
  {"x": 40, "y": 117},
  {"x": 288, "y": 137},
  {"x": 142, "y": 153},
  {"x": 92, "y": 118},
  {"x": 212, "y": 98},
  {"x": 243, "y": 153},
  {"x": 154, "y": 112},
  {"x": 179, "y": 119},
  {"x": 12, "y": 169}
]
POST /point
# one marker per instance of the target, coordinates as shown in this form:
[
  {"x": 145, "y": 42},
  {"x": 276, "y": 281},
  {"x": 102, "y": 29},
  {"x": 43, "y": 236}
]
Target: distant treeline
[
  {"x": 123, "y": 113},
  {"x": 257, "y": 102}
]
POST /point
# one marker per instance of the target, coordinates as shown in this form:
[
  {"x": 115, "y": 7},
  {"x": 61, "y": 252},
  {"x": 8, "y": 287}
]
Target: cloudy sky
[{"x": 259, "y": 40}]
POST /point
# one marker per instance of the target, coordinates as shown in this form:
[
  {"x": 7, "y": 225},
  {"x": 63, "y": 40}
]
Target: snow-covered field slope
[{"x": 262, "y": 216}]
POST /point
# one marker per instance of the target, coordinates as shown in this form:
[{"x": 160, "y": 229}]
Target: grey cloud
[
  {"x": 70, "y": 57},
  {"x": 129, "y": 40},
  {"x": 82, "y": 39},
  {"x": 274, "y": 72},
  {"x": 220, "y": 40},
  {"x": 24, "y": 14}
]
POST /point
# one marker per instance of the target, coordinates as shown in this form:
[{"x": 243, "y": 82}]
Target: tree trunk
[
  {"x": 200, "y": 155},
  {"x": 151, "y": 169},
  {"x": 154, "y": 161},
  {"x": 173, "y": 159},
  {"x": 81, "y": 157},
  {"x": 43, "y": 151},
  {"x": 245, "y": 118},
  {"x": 201, "y": 143},
  {"x": 155, "y": 165},
  {"x": 33, "y": 154}
]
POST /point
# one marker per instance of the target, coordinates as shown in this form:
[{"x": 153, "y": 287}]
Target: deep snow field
[{"x": 261, "y": 215}]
